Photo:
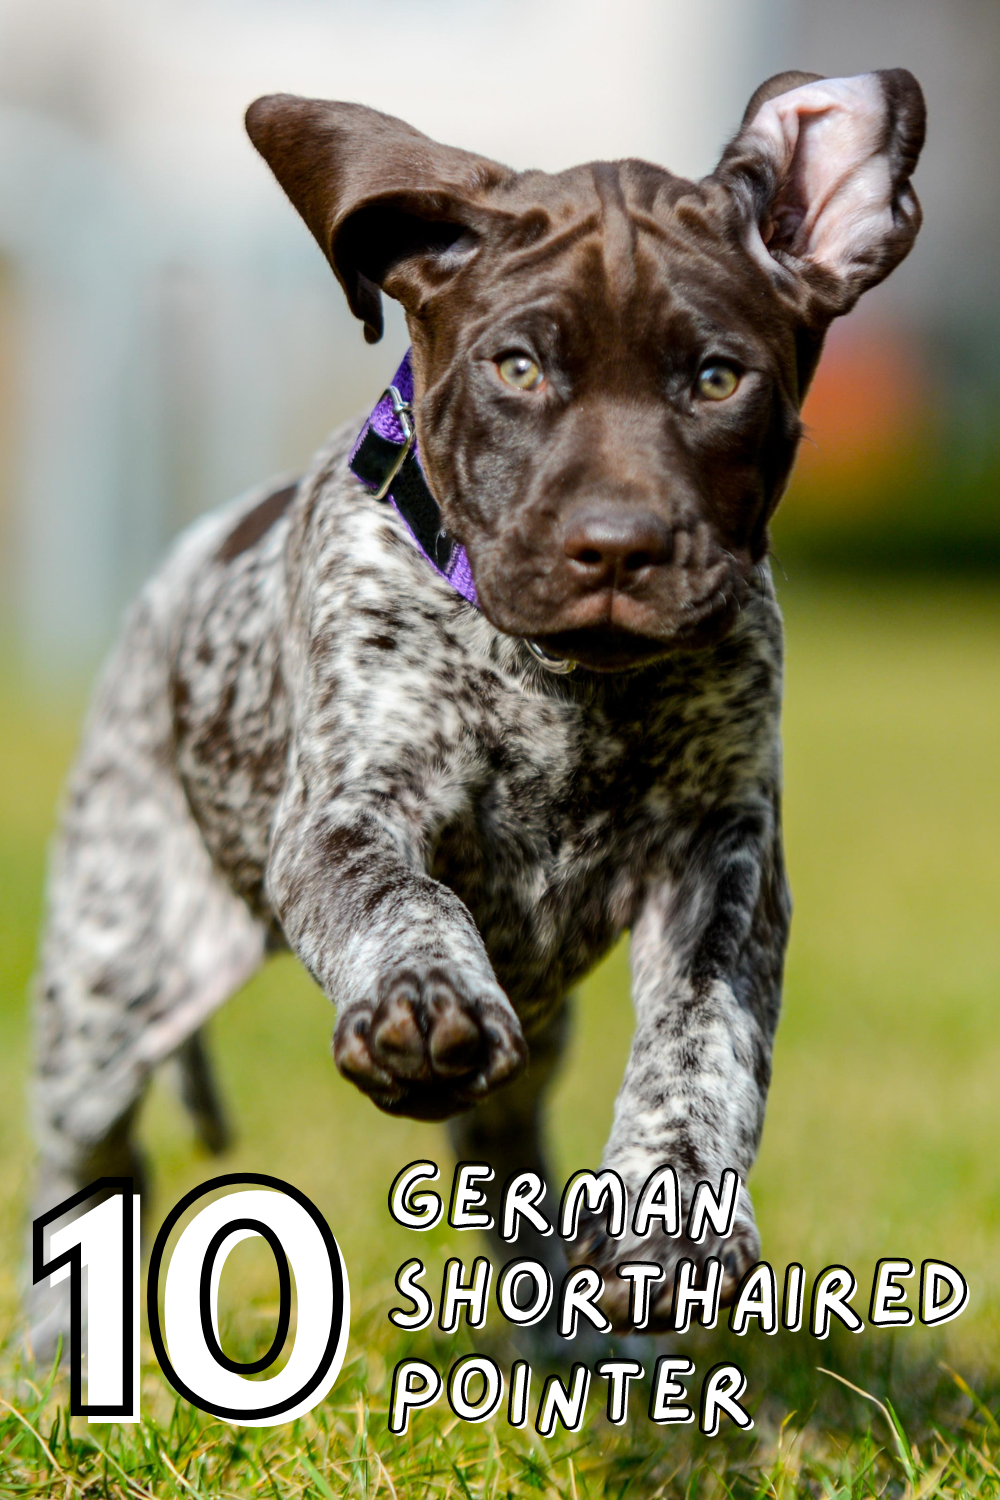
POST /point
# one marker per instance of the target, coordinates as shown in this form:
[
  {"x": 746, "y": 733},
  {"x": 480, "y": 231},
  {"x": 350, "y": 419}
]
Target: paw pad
[{"x": 428, "y": 1048}]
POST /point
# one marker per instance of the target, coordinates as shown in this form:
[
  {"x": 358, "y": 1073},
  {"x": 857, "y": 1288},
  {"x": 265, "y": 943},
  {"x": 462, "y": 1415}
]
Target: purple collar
[{"x": 385, "y": 458}]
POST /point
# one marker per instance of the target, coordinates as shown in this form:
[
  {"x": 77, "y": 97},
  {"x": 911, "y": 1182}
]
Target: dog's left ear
[
  {"x": 821, "y": 171},
  {"x": 390, "y": 208}
]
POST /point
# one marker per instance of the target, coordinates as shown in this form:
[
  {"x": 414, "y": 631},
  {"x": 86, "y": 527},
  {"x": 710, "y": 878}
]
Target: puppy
[{"x": 500, "y": 682}]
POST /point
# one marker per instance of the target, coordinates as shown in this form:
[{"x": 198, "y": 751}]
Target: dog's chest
[{"x": 582, "y": 800}]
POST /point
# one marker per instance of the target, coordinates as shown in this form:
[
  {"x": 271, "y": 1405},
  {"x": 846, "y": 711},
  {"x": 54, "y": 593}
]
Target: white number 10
[{"x": 104, "y": 1239}]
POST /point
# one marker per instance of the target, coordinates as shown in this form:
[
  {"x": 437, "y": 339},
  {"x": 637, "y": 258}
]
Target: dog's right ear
[{"x": 390, "y": 208}]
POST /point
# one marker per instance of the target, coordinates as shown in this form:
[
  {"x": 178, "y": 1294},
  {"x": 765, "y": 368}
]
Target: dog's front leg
[
  {"x": 707, "y": 956},
  {"x": 423, "y": 1027}
]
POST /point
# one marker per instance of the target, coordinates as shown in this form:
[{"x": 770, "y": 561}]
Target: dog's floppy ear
[
  {"x": 821, "y": 168},
  {"x": 390, "y": 207}
]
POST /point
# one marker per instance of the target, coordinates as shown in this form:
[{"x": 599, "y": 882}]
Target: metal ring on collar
[
  {"x": 403, "y": 412},
  {"x": 557, "y": 664}
]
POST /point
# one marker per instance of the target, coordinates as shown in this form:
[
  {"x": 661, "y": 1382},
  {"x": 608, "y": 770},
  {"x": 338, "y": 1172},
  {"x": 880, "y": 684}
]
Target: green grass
[{"x": 880, "y": 1138}]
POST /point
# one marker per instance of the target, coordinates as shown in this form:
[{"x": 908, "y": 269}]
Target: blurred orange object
[{"x": 866, "y": 417}]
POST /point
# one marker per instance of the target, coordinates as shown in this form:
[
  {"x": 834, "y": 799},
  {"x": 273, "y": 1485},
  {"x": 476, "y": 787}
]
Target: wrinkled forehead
[
  {"x": 598, "y": 192},
  {"x": 623, "y": 240}
]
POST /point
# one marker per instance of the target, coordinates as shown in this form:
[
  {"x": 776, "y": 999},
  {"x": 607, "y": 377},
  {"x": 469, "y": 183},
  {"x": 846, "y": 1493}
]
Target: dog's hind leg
[
  {"x": 144, "y": 940},
  {"x": 200, "y": 1095}
]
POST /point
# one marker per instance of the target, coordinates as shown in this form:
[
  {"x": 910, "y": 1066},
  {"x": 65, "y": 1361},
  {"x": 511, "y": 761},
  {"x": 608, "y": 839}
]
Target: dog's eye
[
  {"x": 520, "y": 371},
  {"x": 717, "y": 380}
]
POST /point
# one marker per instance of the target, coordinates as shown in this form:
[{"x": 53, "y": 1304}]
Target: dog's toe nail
[
  {"x": 730, "y": 1279},
  {"x": 508, "y": 1057},
  {"x": 396, "y": 1040},
  {"x": 735, "y": 1264},
  {"x": 455, "y": 1043},
  {"x": 350, "y": 1050}
]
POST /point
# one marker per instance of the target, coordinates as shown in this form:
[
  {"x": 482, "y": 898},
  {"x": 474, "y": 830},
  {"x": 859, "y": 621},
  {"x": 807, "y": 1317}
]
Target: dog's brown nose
[{"x": 605, "y": 548}]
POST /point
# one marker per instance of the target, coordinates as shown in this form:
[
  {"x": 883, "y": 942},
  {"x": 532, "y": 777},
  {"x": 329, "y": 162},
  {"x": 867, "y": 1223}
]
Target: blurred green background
[{"x": 885, "y": 1111}]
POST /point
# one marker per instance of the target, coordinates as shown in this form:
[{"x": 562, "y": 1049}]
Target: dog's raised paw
[{"x": 429, "y": 1047}]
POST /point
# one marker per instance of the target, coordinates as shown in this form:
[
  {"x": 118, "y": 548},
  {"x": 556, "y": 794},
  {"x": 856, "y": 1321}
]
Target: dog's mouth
[
  {"x": 602, "y": 649},
  {"x": 620, "y": 624},
  {"x": 611, "y": 648}
]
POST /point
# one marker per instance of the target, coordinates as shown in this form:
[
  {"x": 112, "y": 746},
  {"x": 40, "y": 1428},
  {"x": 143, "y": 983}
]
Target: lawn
[{"x": 880, "y": 1139}]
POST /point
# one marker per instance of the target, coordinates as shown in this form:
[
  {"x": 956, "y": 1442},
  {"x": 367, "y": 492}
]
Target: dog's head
[{"x": 610, "y": 361}]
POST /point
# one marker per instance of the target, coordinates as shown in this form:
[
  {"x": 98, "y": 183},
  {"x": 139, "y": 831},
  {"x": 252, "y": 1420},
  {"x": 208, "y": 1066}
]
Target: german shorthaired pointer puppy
[{"x": 479, "y": 694}]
